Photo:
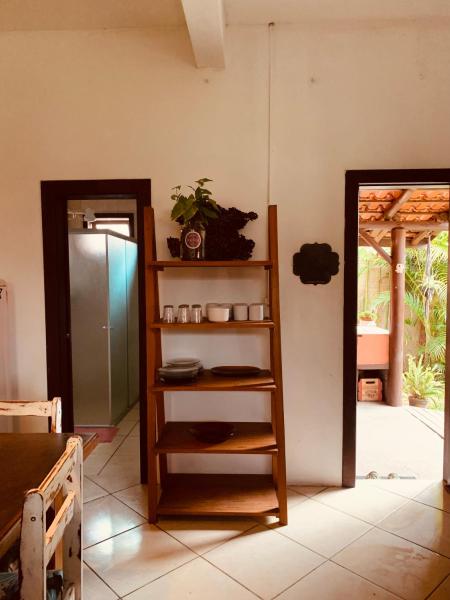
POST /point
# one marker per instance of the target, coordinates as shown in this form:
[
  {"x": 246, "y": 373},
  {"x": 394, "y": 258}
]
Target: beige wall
[{"x": 118, "y": 104}]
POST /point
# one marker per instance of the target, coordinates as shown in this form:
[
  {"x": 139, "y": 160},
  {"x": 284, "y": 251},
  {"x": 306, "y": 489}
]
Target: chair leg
[{"x": 72, "y": 540}]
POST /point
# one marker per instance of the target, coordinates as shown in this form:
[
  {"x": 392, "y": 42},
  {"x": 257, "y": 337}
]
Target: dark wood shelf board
[
  {"x": 249, "y": 438},
  {"x": 266, "y": 324},
  {"x": 208, "y": 382},
  {"x": 168, "y": 264},
  {"x": 232, "y": 495}
]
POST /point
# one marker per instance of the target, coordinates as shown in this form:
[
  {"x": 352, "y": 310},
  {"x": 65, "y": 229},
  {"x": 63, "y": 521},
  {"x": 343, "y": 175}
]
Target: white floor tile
[
  {"x": 202, "y": 535},
  {"x": 293, "y": 499},
  {"x": 129, "y": 447},
  {"x": 137, "y": 557},
  {"x": 94, "y": 588},
  {"x": 264, "y": 561},
  {"x": 120, "y": 473},
  {"x": 442, "y": 592},
  {"x": 322, "y": 529},
  {"x": 101, "y": 455},
  {"x": 92, "y": 491},
  {"x": 332, "y": 582},
  {"x": 436, "y": 495},
  {"x": 106, "y": 517},
  {"x": 197, "y": 580},
  {"x": 307, "y": 490},
  {"x": 369, "y": 504},
  {"x": 135, "y": 432},
  {"x": 125, "y": 426},
  {"x": 135, "y": 497},
  {"x": 397, "y": 565},
  {"x": 422, "y": 524},
  {"x": 403, "y": 487}
]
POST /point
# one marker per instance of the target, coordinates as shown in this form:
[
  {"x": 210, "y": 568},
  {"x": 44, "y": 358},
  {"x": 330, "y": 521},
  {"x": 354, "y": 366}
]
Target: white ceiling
[
  {"x": 247, "y": 12},
  {"x": 88, "y": 14},
  {"x": 97, "y": 14}
]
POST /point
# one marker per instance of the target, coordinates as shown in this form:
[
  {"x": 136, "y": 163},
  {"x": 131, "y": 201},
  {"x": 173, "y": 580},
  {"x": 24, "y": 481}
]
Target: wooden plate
[{"x": 236, "y": 371}]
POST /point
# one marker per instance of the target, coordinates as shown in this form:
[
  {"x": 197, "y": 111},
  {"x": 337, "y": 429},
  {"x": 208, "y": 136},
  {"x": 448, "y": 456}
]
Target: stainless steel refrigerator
[{"x": 104, "y": 326}]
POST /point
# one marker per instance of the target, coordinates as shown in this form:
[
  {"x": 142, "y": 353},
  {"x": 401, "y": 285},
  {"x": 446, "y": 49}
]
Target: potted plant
[
  {"x": 367, "y": 317},
  {"x": 420, "y": 383},
  {"x": 192, "y": 212}
]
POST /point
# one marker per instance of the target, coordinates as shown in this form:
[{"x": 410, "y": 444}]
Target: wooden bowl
[{"x": 212, "y": 432}]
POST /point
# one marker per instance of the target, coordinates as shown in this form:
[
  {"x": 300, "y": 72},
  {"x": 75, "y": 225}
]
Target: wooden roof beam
[
  {"x": 408, "y": 225},
  {"x": 383, "y": 233},
  {"x": 381, "y": 251},
  {"x": 419, "y": 237},
  {"x": 397, "y": 204}
]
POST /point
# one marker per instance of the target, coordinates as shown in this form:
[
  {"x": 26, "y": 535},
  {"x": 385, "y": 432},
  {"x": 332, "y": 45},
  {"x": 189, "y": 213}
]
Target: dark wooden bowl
[{"x": 212, "y": 432}]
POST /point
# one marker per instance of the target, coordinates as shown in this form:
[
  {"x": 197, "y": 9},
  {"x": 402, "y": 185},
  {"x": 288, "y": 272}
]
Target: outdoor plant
[
  {"x": 420, "y": 382},
  {"x": 196, "y": 207},
  {"x": 425, "y": 297}
]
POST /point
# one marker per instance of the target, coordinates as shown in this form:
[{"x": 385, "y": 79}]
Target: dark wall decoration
[{"x": 315, "y": 263}]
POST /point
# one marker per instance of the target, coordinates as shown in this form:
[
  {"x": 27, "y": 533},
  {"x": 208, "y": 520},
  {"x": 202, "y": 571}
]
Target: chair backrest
[
  {"x": 47, "y": 408},
  {"x": 39, "y": 542}
]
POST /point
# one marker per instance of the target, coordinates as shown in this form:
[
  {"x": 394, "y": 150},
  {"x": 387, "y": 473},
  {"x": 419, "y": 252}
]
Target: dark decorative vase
[{"x": 193, "y": 242}]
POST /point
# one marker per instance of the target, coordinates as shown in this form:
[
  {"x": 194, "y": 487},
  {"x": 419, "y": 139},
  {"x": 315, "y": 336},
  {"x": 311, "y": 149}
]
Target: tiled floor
[
  {"x": 391, "y": 439},
  {"x": 383, "y": 540}
]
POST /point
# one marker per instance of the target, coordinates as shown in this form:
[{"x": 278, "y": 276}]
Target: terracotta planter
[
  {"x": 367, "y": 323},
  {"x": 418, "y": 402}
]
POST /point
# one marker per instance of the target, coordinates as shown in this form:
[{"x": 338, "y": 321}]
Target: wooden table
[{"x": 25, "y": 460}]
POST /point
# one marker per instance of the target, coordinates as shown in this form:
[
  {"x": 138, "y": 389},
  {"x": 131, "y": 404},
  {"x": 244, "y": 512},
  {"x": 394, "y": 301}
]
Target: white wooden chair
[
  {"x": 39, "y": 543},
  {"x": 47, "y": 408}
]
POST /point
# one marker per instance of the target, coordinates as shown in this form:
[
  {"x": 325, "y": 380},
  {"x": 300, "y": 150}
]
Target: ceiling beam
[
  {"x": 419, "y": 237},
  {"x": 408, "y": 225},
  {"x": 381, "y": 251},
  {"x": 383, "y": 233},
  {"x": 397, "y": 204},
  {"x": 205, "y": 22}
]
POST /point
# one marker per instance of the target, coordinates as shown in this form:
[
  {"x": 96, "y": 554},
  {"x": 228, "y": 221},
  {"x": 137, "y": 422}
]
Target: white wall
[{"x": 118, "y": 104}]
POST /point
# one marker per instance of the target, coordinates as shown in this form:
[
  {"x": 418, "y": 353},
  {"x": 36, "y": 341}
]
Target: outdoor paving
[{"x": 394, "y": 440}]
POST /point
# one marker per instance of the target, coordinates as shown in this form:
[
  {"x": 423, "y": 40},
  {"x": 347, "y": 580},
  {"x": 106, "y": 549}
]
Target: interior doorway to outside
[
  {"x": 396, "y": 268},
  {"x": 402, "y": 310}
]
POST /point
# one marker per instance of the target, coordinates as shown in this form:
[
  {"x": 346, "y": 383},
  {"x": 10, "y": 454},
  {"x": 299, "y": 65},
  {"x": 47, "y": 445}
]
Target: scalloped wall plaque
[{"x": 315, "y": 263}]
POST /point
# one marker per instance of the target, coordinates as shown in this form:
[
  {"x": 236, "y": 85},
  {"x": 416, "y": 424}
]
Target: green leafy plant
[
  {"x": 425, "y": 297},
  {"x": 197, "y": 207},
  {"x": 421, "y": 381}
]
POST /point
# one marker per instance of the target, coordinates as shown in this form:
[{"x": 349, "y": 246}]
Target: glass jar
[{"x": 193, "y": 242}]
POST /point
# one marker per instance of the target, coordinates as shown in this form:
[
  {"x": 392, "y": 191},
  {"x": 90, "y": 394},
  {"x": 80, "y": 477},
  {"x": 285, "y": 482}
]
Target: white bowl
[{"x": 218, "y": 314}]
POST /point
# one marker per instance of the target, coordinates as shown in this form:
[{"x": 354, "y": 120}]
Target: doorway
[
  {"x": 69, "y": 211},
  {"x": 395, "y": 241}
]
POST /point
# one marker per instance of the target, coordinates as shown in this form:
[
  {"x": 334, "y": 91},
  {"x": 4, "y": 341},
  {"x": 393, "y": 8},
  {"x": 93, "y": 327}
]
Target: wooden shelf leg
[
  {"x": 279, "y": 465},
  {"x": 152, "y": 478}
]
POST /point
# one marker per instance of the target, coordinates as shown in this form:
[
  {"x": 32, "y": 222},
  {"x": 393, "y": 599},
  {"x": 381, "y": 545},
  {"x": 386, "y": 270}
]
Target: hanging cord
[
  {"x": 427, "y": 275},
  {"x": 269, "y": 112}
]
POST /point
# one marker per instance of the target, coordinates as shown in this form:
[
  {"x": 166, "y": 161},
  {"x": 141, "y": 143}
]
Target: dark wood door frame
[
  {"x": 353, "y": 180},
  {"x": 54, "y": 198}
]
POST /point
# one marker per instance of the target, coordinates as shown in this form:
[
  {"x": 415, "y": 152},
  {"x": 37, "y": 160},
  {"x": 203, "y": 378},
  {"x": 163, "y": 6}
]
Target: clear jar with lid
[
  {"x": 183, "y": 313},
  {"x": 196, "y": 313},
  {"x": 168, "y": 314}
]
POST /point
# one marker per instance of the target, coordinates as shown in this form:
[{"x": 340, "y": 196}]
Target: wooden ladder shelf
[{"x": 217, "y": 494}]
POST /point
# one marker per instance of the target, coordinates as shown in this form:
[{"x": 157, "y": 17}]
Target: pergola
[{"x": 399, "y": 219}]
